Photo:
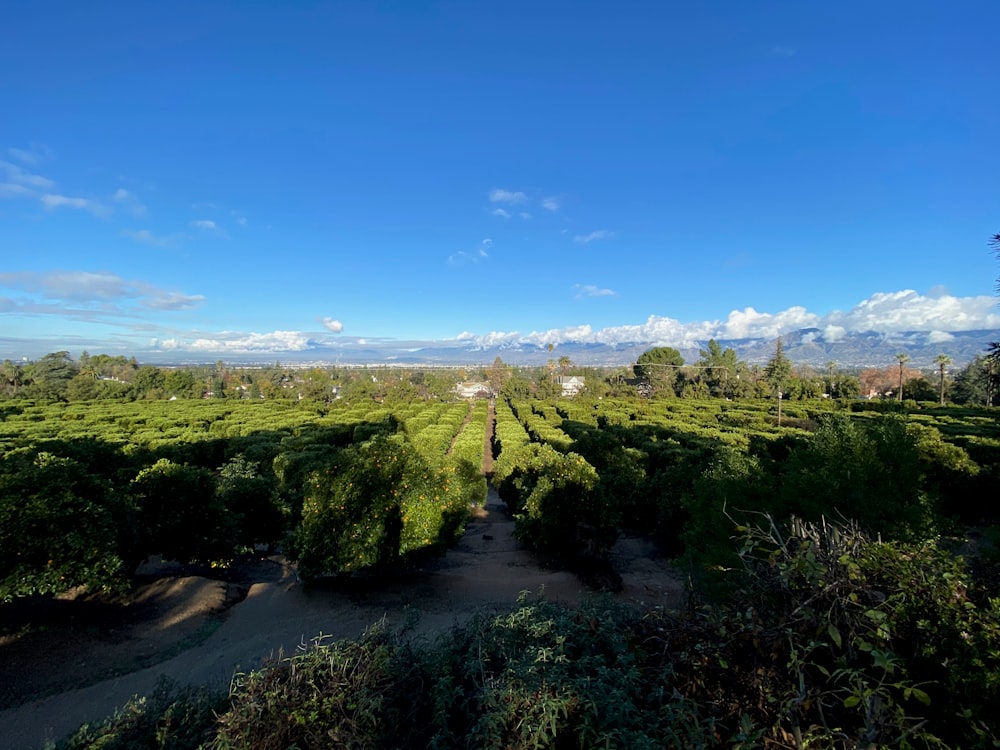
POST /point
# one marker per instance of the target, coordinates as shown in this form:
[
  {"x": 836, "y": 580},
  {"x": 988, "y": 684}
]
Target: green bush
[
  {"x": 180, "y": 515},
  {"x": 552, "y": 496},
  {"x": 251, "y": 498},
  {"x": 60, "y": 527},
  {"x": 372, "y": 504},
  {"x": 883, "y": 642},
  {"x": 867, "y": 471},
  {"x": 340, "y": 694},
  {"x": 171, "y": 718},
  {"x": 351, "y": 518}
]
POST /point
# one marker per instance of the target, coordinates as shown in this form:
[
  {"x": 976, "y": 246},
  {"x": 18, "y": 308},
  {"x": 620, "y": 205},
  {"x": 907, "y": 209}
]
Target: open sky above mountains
[{"x": 222, "y": 178}]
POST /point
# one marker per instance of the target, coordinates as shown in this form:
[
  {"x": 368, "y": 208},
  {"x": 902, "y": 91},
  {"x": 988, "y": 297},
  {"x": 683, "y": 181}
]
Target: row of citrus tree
[
  {"x": 87, "y": 494},
  {"x": 575, "y": 473}
]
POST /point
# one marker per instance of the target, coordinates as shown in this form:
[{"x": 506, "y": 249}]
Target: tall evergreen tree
[{"x": 777, "y": 373}]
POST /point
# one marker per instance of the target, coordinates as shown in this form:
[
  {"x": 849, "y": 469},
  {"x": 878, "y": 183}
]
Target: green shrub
[
  {"x": 251, "y": 498},
  {"x": 60, "y": 527},
  {"x": 552, "y": 496},
  {"x": 171, "y": 718},
  {"x": 867, "y": 471},
  {"x": 351, "y": 518},
  {"x": 180, "y": 515},
  {"x": 339, "y": 694}
]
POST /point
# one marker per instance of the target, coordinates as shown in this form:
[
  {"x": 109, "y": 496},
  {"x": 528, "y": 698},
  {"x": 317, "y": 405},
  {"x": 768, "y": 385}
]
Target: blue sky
[{"x": 264, "y": 177}]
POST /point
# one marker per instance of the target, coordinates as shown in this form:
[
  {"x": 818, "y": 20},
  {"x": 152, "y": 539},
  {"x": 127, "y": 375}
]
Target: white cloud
[
  {"x": 23, "y": 177},
  {"x": 907, "y": 310},
  {"x": 160, "y": 300},
  {"x": 833, "y": 333},
  {"x": 332, "y": 325},
  {"x": 939, "y": 337},
  {"x": 148, "y": 238},
  {"x": 749, "y": 323},
  {"x": 52, "y": 202},
  {"x": 229, "y": 341},
  {"x": 206, "y": 224},
  {"x": 474, "y": 256},
  {"x": 35, "y": 154},
  {"x": 589, "y": 290},
  {"x": 524, "y": 215},
  {"x": 130, "y": 201},
  {"x": 550, "y": 204},
  {"x": 512, "y": 197},
  {"x": 501, "y": 213},
  {"x": 11, "y": 190},
  {"x": 891, "y": 313},
  {"x": 600, "y": 234},
  {"x": 100, "y": 289}
]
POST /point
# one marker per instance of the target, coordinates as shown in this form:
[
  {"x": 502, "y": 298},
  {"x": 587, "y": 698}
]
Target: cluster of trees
[
  {"x": 662, "y": 372},
  {"x": 659, "y": 372},
  {"x": 853, "y": 633},
  {"x": 57, "y": 376},
  {"x": 87, "y": 494}
]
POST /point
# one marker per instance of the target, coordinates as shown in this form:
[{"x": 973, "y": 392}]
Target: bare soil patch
[{"x": 75, "y": 659}]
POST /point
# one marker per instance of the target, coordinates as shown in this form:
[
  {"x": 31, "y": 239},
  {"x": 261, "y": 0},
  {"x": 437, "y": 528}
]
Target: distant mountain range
[{"x": 806, "y": 346}]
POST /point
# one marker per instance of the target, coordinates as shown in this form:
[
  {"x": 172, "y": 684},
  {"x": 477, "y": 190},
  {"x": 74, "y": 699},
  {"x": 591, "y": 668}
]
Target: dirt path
[{"x": 194, "y": 633}]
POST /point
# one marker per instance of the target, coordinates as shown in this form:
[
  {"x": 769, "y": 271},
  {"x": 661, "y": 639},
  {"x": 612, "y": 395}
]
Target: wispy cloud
[
  {"x": 160, "y": 300},
  {"x": 502, "y": 213},
  {"x": 512, "y": 197},
  {"x": 463, "y": 257},
  {"x": 21, "y": 176},
  {"x": 599, "y": 234},
  {"x": 783, "y": 51},
  {"x": 34, "y": 154},
  {"x": 101, "y": 289},
  {"x": 12, "y": 190},
  {"x": 589, "y": 290},
  {"x": 331, "y": 324},
  {"x": 550, "y": 204},
  {"x": 129, "y": 201},
  {"x": 206, "y": 224},
  {"x": 148, "y": 238},
  {"x": 52, "y": 201}
]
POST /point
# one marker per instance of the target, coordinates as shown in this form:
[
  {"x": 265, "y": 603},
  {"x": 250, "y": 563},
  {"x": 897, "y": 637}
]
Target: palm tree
[
  {"x": 902, "y": 359},
  {"x": 942, "y": 361}
]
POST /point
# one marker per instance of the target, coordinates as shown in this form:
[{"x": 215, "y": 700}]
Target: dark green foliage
[
  {"x": 883, "y": 640},
  {"x": 552, "y": 496},
  {"x": 351, "y": 517},
  {"x": 181, "y": 516},
  {"x": 49, "y": 377},
  {"x": 250, "y": 497},
  {"x": 341, "y": 694},
  {"x": 659, "y": 368},
  {"x": 829, "y": 639},
  {"x": 60, "y": 527},
  {"x": 172, "y": 718},
  {"x": 372, "y": 504},
  {"x": 731, "y": 484},
  {"x": 869, "y": 472}
]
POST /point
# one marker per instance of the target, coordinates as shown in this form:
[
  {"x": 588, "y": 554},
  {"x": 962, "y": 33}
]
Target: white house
[
  {"x": 571, "y": 384},
  {"x": 470, "y": 389}
]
